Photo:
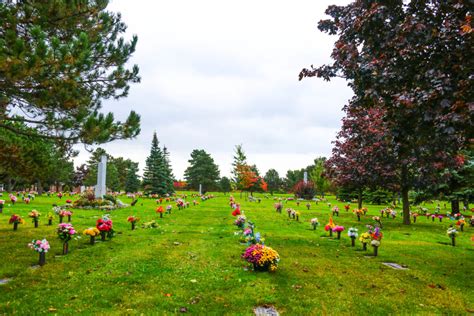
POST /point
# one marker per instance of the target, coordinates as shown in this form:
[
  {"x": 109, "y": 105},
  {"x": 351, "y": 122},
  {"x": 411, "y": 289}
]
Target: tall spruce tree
[
  {"x": 202, "y": 170},
  {"x": 132, "y": 182},
  {"x": 158, "y": 176}
]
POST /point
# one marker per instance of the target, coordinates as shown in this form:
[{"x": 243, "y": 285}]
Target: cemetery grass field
[{"x": 192, "y": 264}]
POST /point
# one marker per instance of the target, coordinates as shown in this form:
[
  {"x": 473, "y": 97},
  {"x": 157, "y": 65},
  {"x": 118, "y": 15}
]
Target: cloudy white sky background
[{"x": 220, "y": 73}]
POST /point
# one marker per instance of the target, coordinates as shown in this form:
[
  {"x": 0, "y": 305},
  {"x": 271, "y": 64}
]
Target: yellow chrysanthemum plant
[
  {"x": 92, "y": 232},
  {"x": 262, "y": 258}
]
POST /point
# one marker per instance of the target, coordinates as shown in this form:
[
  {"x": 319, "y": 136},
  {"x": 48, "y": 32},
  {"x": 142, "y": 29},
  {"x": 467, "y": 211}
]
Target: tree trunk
[
  {"x": 454, "y": 206},
  {"x": 406, "y": 206},
  {"x": 40, "y": 187},
  {"x": 359, "y": 200},
  {"x": 405, "y": 201}
]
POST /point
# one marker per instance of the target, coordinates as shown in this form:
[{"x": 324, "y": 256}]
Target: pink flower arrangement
[
  {"x": 338, "y": 229},
  {"x": 68, "y": 201},
  {"x": 66, "y": 231},
  {"x": 39, "y": 245},
  {"x": 26, "y": 200}
]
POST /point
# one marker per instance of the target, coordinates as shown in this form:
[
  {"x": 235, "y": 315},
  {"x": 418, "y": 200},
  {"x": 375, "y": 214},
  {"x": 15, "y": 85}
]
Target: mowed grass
[{"x": 192, "y": 263}]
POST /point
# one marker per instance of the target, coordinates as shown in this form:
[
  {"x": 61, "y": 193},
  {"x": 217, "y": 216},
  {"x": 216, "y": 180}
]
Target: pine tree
[
  {"x": 240, "y": 159},
  {"x": 202, "y": 170},
  {"x": 158, "y": 176},
  {"x": 132, "y": 183},
  {"x": 169, "y": 180}
]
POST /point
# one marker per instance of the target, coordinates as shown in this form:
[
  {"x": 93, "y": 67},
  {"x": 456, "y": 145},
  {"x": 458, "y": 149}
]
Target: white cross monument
[{"x": 100, "y": 188}]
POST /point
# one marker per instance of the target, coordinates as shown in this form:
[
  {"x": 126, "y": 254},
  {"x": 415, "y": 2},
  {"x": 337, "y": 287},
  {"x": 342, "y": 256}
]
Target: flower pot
[
  {"x": 461, "y": 227},
  {"x": 1, "y": 208},
  {"x": 297, "y": 218},
  {"x": 61, "y": 219},
  {"x": 50, "y": 222},
  {"x": 432, "y": 219},
  {"x": 92, "y": 240},
  {"x": 133, "y": 225},
  {"x": 36, "y": 224},
  {"x": 376, "y": 251},
  {"x": 353, "y": 241},
  {"x": 358, "y": 217},
  {"x": 42, "y": 258},
  {"x": 15, "y": 226},
  {"x": 440, "y": 219},
  {"x": 330, "y": 232},
  {"x": 161, "y": 215},
  {"x": 338, "y": 235},
  {"x": 314, "y": 227},
  {"x": 65, "y": 248},
  {"x": 102, "y": 236},
  {"x": 453, "y": 241},
  {"x": 364, "y": 246},
  {"x": 414, "y": 219},
  {"x": 69, "y": 218}
]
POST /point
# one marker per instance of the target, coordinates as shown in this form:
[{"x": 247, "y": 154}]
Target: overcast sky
[{"x": 220, "y": 73}]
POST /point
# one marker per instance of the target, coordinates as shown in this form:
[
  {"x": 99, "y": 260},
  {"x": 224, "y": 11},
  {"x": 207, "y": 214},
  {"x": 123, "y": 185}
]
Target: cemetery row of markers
[
  {"x": 103, "y": 228},
  {"x": 374, "y": 235}
]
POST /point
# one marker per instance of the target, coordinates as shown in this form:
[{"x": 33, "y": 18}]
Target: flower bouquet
[
  {"x": 60, "y": 195},
  {"x": 160, "y": 211},
  {"x": 338, "y": 229},
  {"x": 314, "y": 223},
  {"x": 151, "y": 224},
  {"x": 365, "y": 239},
  {"x": 378, "y": 220},
  {"x": 262, "y": 258},
  {"x": 13, "y": 199},
  {"x": 358, "y": 213},
  {"x": 15, "y": 220},
  {"x": 461, "y": 222},
  {"x": 440, "y": 217},
  {"x": 329, "y": 226},
  {"x": 240, "y": 221},
  {"x": 414, "y": 215},
  {"x": 452, "y": 233},
  {"x": 26, "y": 200},
  {"x": 236, "y": 211},
  {"x": 92, "y": 232},
  {"x": 278, "y": 207},
  {"x": 41, "y": 247},
  {"x": 289, "y": 211},
  {"x": 393, "y": 213},
  {"x": 433, "y": 216},
  {"x": 335, "y": 210},
  {"x": 364, "y": 210},
  {"x": 133, "y": 220},
  {"x": 308, "y": 205},
  {"x": 104, "y": 225},
  {"x": 66, "y": 232},
  {"x": 168, "y": 209},
  {"x": 180, "y": 204},
  {"x": 376, "y": 235},
  {"x": 353, "y": 233},
  {"x": 347, "y": 207},
  {"x": 35, "y": 215}
]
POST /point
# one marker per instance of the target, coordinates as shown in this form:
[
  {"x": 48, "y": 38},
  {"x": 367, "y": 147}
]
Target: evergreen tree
[
  {"x": 158, "y": 176},
  {"x": 58, "y": 61},
  {"x": 132, "y": 182},
  {"x": 202, "y": 170},
  {"x": 273, "y": 180},
  {"x": 169, "y": 180},
  {"x": 225, "y": 185}
]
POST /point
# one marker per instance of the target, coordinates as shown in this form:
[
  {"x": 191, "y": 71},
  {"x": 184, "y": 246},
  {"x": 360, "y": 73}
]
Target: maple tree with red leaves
[{"x": 413, "y": 61}]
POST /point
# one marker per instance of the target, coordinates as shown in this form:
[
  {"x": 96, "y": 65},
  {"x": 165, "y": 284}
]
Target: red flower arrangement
[{"x": 236, "y": 212}]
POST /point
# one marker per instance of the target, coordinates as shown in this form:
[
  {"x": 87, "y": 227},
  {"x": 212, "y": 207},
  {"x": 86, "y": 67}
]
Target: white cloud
[{"x": 216, "y": 74}]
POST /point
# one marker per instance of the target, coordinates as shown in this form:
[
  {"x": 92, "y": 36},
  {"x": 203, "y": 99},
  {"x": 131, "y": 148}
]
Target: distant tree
[
  {"x": 249, "y": 180},
  {"x": 80, "y": 175},
  {"x": 156, "y": 176},
  {"x": 202, "y": 170},
  {"x": 58, "y": 61},
  {"x": 132, "y": 182},
  {"x": 240, "y": 159},
  {"x": 225, "y": 185},
  {"x": 317, "y": 175},
  {"x": 169, "y": 180},
  {"x": 273, "y": 180},
  {"x": 292, "y": 177},
  {"x": 304, "y": 190}
]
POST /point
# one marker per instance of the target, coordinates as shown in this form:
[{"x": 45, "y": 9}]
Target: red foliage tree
[{"x": 413, "y": 60}]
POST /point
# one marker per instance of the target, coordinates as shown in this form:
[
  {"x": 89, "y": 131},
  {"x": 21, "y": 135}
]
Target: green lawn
[{"x": 193, "y": 261}]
